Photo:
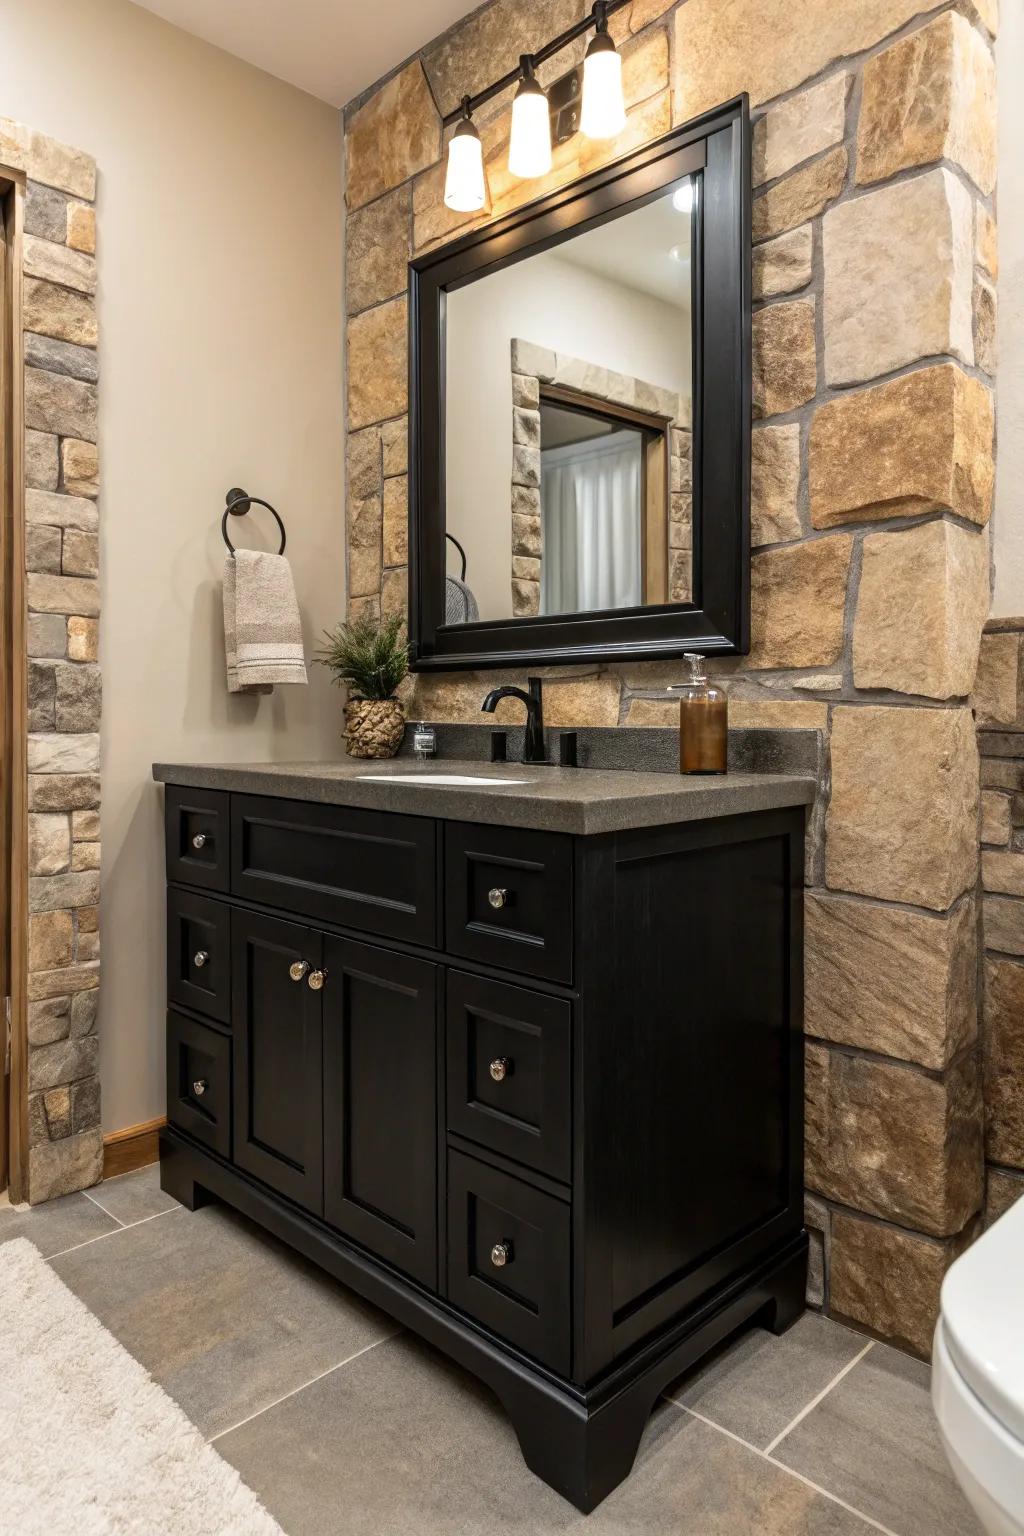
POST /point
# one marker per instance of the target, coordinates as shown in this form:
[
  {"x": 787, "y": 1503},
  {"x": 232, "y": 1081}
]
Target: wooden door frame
[{"x": 13, "y": 703}]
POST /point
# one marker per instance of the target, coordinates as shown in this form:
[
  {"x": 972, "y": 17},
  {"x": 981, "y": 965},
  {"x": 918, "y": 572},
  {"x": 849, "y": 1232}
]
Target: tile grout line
[
  {"x": 302, "y": 1387},
  {"x": 770, "y": 1447},
  {"x": 99, "y": 1207},
  {"x": 124, "y": 1227},
  {"x": 781, "y": 1465}
]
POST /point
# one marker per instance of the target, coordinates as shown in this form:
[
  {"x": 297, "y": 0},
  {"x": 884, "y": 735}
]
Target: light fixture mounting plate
[{"x": 565, "y": 100}]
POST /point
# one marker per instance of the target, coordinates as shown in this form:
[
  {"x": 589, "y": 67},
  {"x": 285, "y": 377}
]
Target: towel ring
[{"x": 238, "y": 504}]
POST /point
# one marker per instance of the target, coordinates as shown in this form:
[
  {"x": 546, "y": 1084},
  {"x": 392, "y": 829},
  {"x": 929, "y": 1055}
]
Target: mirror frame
[{"x": 717, "y": 144}]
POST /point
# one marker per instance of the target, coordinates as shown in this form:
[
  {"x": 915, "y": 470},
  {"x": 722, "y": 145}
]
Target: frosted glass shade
[
  {"x": 465, "y": 190},
  {"x": 529, "y": 150},
  {"x": 604, "y": 112}
]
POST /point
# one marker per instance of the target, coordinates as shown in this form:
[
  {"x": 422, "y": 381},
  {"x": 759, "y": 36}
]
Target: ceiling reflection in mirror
[{"x": 569, "y": 416}]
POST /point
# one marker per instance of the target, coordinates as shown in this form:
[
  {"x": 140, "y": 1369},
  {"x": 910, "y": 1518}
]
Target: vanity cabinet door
[
  {"x": 380, "y": 1103},
  {"x": 278, "y": 1044}
]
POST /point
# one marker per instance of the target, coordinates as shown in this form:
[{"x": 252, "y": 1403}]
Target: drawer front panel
[
  {"x": 509, "y": 898},
  {"x": 199, "y": 954},
  {"x": 360, "y": 869},
  {"x": 199, "y": 1082},
  {"x": 509, "y": 1054},
  {"x": 525, "y": 1299},
  {"x": 197, "y": 834}
]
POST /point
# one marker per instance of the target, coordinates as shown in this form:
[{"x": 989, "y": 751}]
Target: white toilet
[{"x": 978, "y": 1374}]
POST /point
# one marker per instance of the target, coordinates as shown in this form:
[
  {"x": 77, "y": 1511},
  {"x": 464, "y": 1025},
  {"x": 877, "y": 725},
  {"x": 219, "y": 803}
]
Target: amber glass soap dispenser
[{"x": 703, "y": 722}]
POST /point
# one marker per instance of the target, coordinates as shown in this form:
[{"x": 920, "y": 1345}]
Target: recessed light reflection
[
  {"x": 681, "y": 254},
  {"x": 682, "y": 198}
]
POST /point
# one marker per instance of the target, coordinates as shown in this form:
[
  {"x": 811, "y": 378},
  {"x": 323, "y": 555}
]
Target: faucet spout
[{"x": 533, "y": 747}]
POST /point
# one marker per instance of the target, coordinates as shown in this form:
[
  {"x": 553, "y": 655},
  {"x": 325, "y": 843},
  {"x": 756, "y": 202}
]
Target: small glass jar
[
  {"x": 703, "y": 722},
  {"x": 424, "y": 741}
]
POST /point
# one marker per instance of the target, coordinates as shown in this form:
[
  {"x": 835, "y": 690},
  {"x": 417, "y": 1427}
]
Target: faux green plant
[{"x": 366, "y": 656}]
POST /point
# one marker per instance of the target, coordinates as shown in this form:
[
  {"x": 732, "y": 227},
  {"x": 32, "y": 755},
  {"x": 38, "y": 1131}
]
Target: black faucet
[{"x": 533, "y": 747}]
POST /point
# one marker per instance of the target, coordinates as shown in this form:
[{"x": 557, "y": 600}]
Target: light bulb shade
[
  {"x": 604, "y": 111},
  {"x": 465, "y": 190},
  {"x": 682, "y": 198},
  {"x": 529, "y": 150}
]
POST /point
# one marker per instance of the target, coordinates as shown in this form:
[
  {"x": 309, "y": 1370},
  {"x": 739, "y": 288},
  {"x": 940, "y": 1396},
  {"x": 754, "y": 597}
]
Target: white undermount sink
[{"x": 453, "y": 779}]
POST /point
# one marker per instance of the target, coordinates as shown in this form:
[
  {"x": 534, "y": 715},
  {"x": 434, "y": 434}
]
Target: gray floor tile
[
  {"x": 133, "y": 1196},
  {"x": 224, "y": 1317},
  {"x": 401, "y": 1442},
  {"x": 57, "y": 1224},
  {"x": 874, "y": 1442},
  {"x": 759, "y": 1383}
]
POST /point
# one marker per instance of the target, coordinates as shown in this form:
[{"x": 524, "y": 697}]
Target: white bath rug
[{"x": 89, "y": 1444}]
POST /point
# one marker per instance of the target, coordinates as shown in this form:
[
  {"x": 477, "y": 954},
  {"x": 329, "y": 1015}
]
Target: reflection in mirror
[{"x": 569, "y": 389}]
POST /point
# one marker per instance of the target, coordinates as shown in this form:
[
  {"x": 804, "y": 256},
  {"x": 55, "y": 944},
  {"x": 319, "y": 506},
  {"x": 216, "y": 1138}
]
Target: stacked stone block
[
  {"x": 872, "y": 475},
  {"x": 63, "y": 685}
]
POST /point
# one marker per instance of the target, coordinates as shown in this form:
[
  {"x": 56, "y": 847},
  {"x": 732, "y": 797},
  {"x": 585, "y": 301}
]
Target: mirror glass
[{"x": 568, "y": 423}]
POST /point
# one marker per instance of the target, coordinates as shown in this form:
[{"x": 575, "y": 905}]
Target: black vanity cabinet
[{"x": 537, "y": 1095}]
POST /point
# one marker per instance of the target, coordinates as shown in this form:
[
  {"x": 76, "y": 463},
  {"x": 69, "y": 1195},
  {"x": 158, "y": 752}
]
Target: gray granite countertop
[{"x": 577, "y": 800}]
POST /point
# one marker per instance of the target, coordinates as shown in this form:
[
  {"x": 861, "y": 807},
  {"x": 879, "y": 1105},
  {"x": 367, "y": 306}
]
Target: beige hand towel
[{"x": 262, "y": 629}]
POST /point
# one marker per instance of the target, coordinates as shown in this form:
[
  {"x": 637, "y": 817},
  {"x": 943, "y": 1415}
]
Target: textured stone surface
[
  {"x": 363, "y": 465},
  {"x": 377, "y": 250},
  {"x": 774, "y": 484},
  {"x": 888, "y": 1280},
  {"x": 58, "y": 165},
  {"x": 46, "y": 212},
  {"x": 784, "y": 361},
  {"x": 488, "y": 44},
  {"x": 902, "y": 820},
  {"x": 1004, "y": 1060},
  {"x": 63, "y": 594},
  {"x": 919, "y": 444},
  {"x": 995, "y": 817},
  {"x": 377, "y": 368},
  {"x": 985, "y": 320},
  {"x": 61, "y": 1167},
  {"x": 51, "y": 510},
  {"x": 83, "y": 639},
  {"x": 57, "y": 264},
  {"x": 394, "y": 592},
  {"x": 78, "y": 698},
  {"x": 50, "y": 941},
  {"x": 782, "y": 265},
  {"x": 49, "y": 844},
  {"x": 396, "y": 521},
  {"x": 1003, "y": 871},
  {"x": 899, "y": 270},
  {"x": 81, "y": 228},
  {"x": 1002, "y": 1190},
  {"x": 42, "y": 549},
  {"x": 1003, "y": 922},
  {"x": 49, "y": 893},
  {"x": 80, "y": 467},
  {"x": 391, "y": 137},
  {"x": 800, "y": 196},
  {"x": 41, "y": 466},
  {"x": 894, "y": 1142},
  {"x": 986, "y": 241},
  {"x": 59, "y": 312},
  {"x": 394, "y": 437},
  {"x": 61, "y": 357},
  {"x": 63, "y": 754},
  {"x": 931, "y": 96},
  {"x": 997, "y": 680},
  {"x": 923, "y": 598},
  {"x": 80, "y": 554},
  {"x": 63, "y": 791},
  {"x": 54, "y": 403},
  {"x": 800, "y": 128},
  {"x": 859, "y": 956},
  {"x": 777, "y": 715},
  {"x": 797, "y": 599},
  {"x": 47, "y": 635},
  {"x": 50, "y": 1018}
]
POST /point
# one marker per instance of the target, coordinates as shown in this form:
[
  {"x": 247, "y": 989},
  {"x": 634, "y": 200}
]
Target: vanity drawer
[
  {"x": 199, "y": 954},
  {"x": 509, "y": 898},
  {"x": 509, "y": 1054},
  {"x": 199, "y": 1081},
  {"x": 370, "y": 870},
  {"x": 197, "y": 831},
  {"x": 493, "y": 1218}
]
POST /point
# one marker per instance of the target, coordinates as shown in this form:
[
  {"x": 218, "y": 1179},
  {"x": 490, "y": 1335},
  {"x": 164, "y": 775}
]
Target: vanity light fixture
[
  {"x": 604, "y": 111},
  {"x": 529, "y": 149},
  {"x": 465, "y": 190}
]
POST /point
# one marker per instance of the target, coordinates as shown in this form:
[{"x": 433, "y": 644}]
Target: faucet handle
[{"x": 499, "y": 746}]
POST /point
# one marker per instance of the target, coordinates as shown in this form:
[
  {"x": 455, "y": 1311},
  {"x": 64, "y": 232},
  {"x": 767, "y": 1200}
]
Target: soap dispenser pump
[{"x": 703, "y": 721}]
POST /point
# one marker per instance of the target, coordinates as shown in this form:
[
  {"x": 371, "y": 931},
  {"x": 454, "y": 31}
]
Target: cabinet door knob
[
  {"x": 298, "y": 969},
  {"x": 199, "y": 1087},
  {"x": 498, "y": 896},
  {"x": 501, "y": 1254},
  {"x": 200, "y": 958},
  {"x": 199, "y": 841},
  {"x": 316, "y": 980},
  {"x": 500, "y": 1068}
]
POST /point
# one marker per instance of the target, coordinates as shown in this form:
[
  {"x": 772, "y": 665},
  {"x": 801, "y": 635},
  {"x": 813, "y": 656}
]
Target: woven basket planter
[{"x": 373, "y": 727}]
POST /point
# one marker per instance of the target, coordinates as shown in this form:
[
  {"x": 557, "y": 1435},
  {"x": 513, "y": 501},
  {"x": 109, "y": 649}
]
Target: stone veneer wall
[
  {"x": 999, "y": 709},
  {"x": 62, "y": 565},
  {"x": 874, "y": 281}
]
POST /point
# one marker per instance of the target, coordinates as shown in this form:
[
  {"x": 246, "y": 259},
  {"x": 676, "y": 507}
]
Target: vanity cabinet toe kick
[{"x": 538, "y": 1096}]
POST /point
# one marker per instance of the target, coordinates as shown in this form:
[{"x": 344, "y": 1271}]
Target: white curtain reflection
[{"x": 590, "y": 510}]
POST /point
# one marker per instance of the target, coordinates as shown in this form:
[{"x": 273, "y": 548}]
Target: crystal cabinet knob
[
  {"x": 199, "y": 841},
  {"x": 298, "y": 969},
  {"x": 316, "y": 980},
  {"x": 501, "y": 1254},
  {"x": 200, "y": 958},
  {"x": 500, "y": 1068},
  {"x": 498, "y": 897},
  {"x": 199, "y": 1087}
]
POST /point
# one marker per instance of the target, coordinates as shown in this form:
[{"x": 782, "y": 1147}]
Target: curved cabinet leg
[{"x": 789, "y": 1291}]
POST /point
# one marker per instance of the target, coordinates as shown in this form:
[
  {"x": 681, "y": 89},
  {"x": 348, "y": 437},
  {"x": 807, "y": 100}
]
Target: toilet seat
[{"x": 988, "y": 1461}]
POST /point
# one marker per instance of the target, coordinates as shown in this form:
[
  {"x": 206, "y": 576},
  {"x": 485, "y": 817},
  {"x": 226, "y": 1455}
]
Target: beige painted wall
[
  {"x": 1008, "y": 521},
  {"x": 219, "y": 211}
]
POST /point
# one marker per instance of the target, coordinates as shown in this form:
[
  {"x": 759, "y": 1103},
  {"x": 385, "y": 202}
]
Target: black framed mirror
[{"x": 580, "y": 378}]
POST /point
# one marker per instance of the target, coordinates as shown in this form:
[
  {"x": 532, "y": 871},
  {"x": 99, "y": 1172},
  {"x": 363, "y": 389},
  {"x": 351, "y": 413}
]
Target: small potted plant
[{"x": 370, "y": 659}]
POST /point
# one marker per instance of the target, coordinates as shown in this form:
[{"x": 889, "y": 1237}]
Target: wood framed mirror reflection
[{"x": 580, "y": 381}]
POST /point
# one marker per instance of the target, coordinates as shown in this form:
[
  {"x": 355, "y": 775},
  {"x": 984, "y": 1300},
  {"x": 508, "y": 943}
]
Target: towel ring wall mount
[{"x": 237, "y": 504}]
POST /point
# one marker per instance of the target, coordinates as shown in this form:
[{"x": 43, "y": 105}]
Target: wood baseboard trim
[{"x": 135, "y": 1147}]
